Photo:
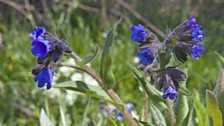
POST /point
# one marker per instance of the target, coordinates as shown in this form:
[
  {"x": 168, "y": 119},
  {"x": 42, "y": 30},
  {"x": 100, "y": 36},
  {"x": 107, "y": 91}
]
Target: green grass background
[{"x": 21, "y": 100}]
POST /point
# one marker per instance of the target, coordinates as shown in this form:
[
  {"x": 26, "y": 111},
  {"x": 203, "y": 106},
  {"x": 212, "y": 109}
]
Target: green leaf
[
  {"x": 181, "y": 109},
  {"x": 200, "y": 111},
  {"x": 190, "y": 121},
  {"x": 111, "y": 121},
  {"x": 151, "y": 91},
  {"x": 145, "y": 123},
  {"x": 184, "y": 91},
  {"x": 157, "y": 116},
  {"x": 44, "y": 120},
  {"x": 221, "y": 58},
  {"x": 106, "y": 71},
  {"x": 219, "y": 91},
  {"x": 88, "y": 58},
  {"x": 62, "y": 114},
  {"x": 213, "y": 108},
  {"x": 199, "y": 115},
  {"x": 91, "y": 90},
  {"x": 85, "y": 112}
]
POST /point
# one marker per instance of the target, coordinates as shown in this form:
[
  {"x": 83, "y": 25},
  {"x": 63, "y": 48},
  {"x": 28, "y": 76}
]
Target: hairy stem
[
  {"x": 146, "y": 107},
  {"x": 117, "y": 99},
  {"x": 109, "y": 92},
  {"x": 170, "y": 111}
]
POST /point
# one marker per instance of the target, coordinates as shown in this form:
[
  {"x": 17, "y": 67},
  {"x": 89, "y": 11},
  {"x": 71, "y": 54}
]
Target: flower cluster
[
  {"x": 111, "y": 110},
  {"x": 48, "y": 49},
  {"x": 169, "y": 80},
  {"x": 183, "y": 41},
  {"x": 147, "y": 43}
]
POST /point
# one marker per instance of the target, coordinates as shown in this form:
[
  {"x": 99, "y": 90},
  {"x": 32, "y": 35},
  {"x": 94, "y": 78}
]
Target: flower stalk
[
  {"x": 109, "y": 92},
  {"x": 170, "y": 112}
]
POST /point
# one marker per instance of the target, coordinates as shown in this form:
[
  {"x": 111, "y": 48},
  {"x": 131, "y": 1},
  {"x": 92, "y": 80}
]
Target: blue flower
[
  {"x": 45, "y": 76},
  {"x": 184, "y": 38},
  {"x": 198, "y": 35},
  {"x": 194, "y": 29},
  {"x": 41, "y": 47},
  {"x": 129, "y": 107},
  {"x": 170, "y": 92},
  {"x": 138, "y": 33},
  {"x": 190, "y": 21},
  {"x": 37, "y": 32},
  {"x": 196, "y": 50},
  {"x": 146, "y": 56},
  {"x": 119, "y": 115}
]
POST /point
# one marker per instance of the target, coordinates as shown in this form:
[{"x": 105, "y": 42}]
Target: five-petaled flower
[
  {"x": 147, "y": 56},
  {"x": 138, "y": 33},
  {"x": 44, "y": 76},
  {"x": 169, "y": 92},
  {"x": 196, "y": 50}
]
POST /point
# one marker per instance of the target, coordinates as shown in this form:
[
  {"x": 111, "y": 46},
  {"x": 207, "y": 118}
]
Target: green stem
[
  {"x": 170, "y": 111},
  {"x": 146, "y": 107}
]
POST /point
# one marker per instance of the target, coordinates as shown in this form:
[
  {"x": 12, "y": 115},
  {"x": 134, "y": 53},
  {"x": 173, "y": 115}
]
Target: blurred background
[{"x": 84, "y": 24}]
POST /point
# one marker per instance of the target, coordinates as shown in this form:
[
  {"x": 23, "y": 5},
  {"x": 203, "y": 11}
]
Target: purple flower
[
  {"x": 44, "y": 76},
  {"x": 138, "y": 33},
  {"x": 40, "y": 48},
  {"x": 196, "y": 50},
  {"x": 146, "y": 56},
  {"x": 170, "y": 92},
  {"x": 37, "y": 32},
  {"x": 129, "y": 107}
]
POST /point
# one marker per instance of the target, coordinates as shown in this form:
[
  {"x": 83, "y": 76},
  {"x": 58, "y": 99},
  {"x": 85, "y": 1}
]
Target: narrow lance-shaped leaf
[
  {"x": 62, "y": 113},
  {"x": 213, "y": 108},
  {"x": 85, "y": 112},
  {"x": 88, "y": 58},
  {"x": 151, "y": 93},
  {"x": 150, "y": 90},
  {"x": 200, "y": 111},
  {"x": 145, "y": 123},
  {"x": 181, "y": 109},
  {"x": 221, "y": 58},
  {"x": 219, "y": 91},
  {"x": 199, "y": 116},
  {"x": 106, "y": 71},
  {"x": 91, "y": 90},
  {"x": 184, "y": 91},
  {"x": 190, "y": 121},
  {"x": 44, "y": 120},
  {"x": 157, "y": 116}
]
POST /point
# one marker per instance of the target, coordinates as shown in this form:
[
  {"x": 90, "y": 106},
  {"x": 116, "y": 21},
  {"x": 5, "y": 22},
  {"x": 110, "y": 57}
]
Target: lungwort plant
[{"x": 162, "y": 74}]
